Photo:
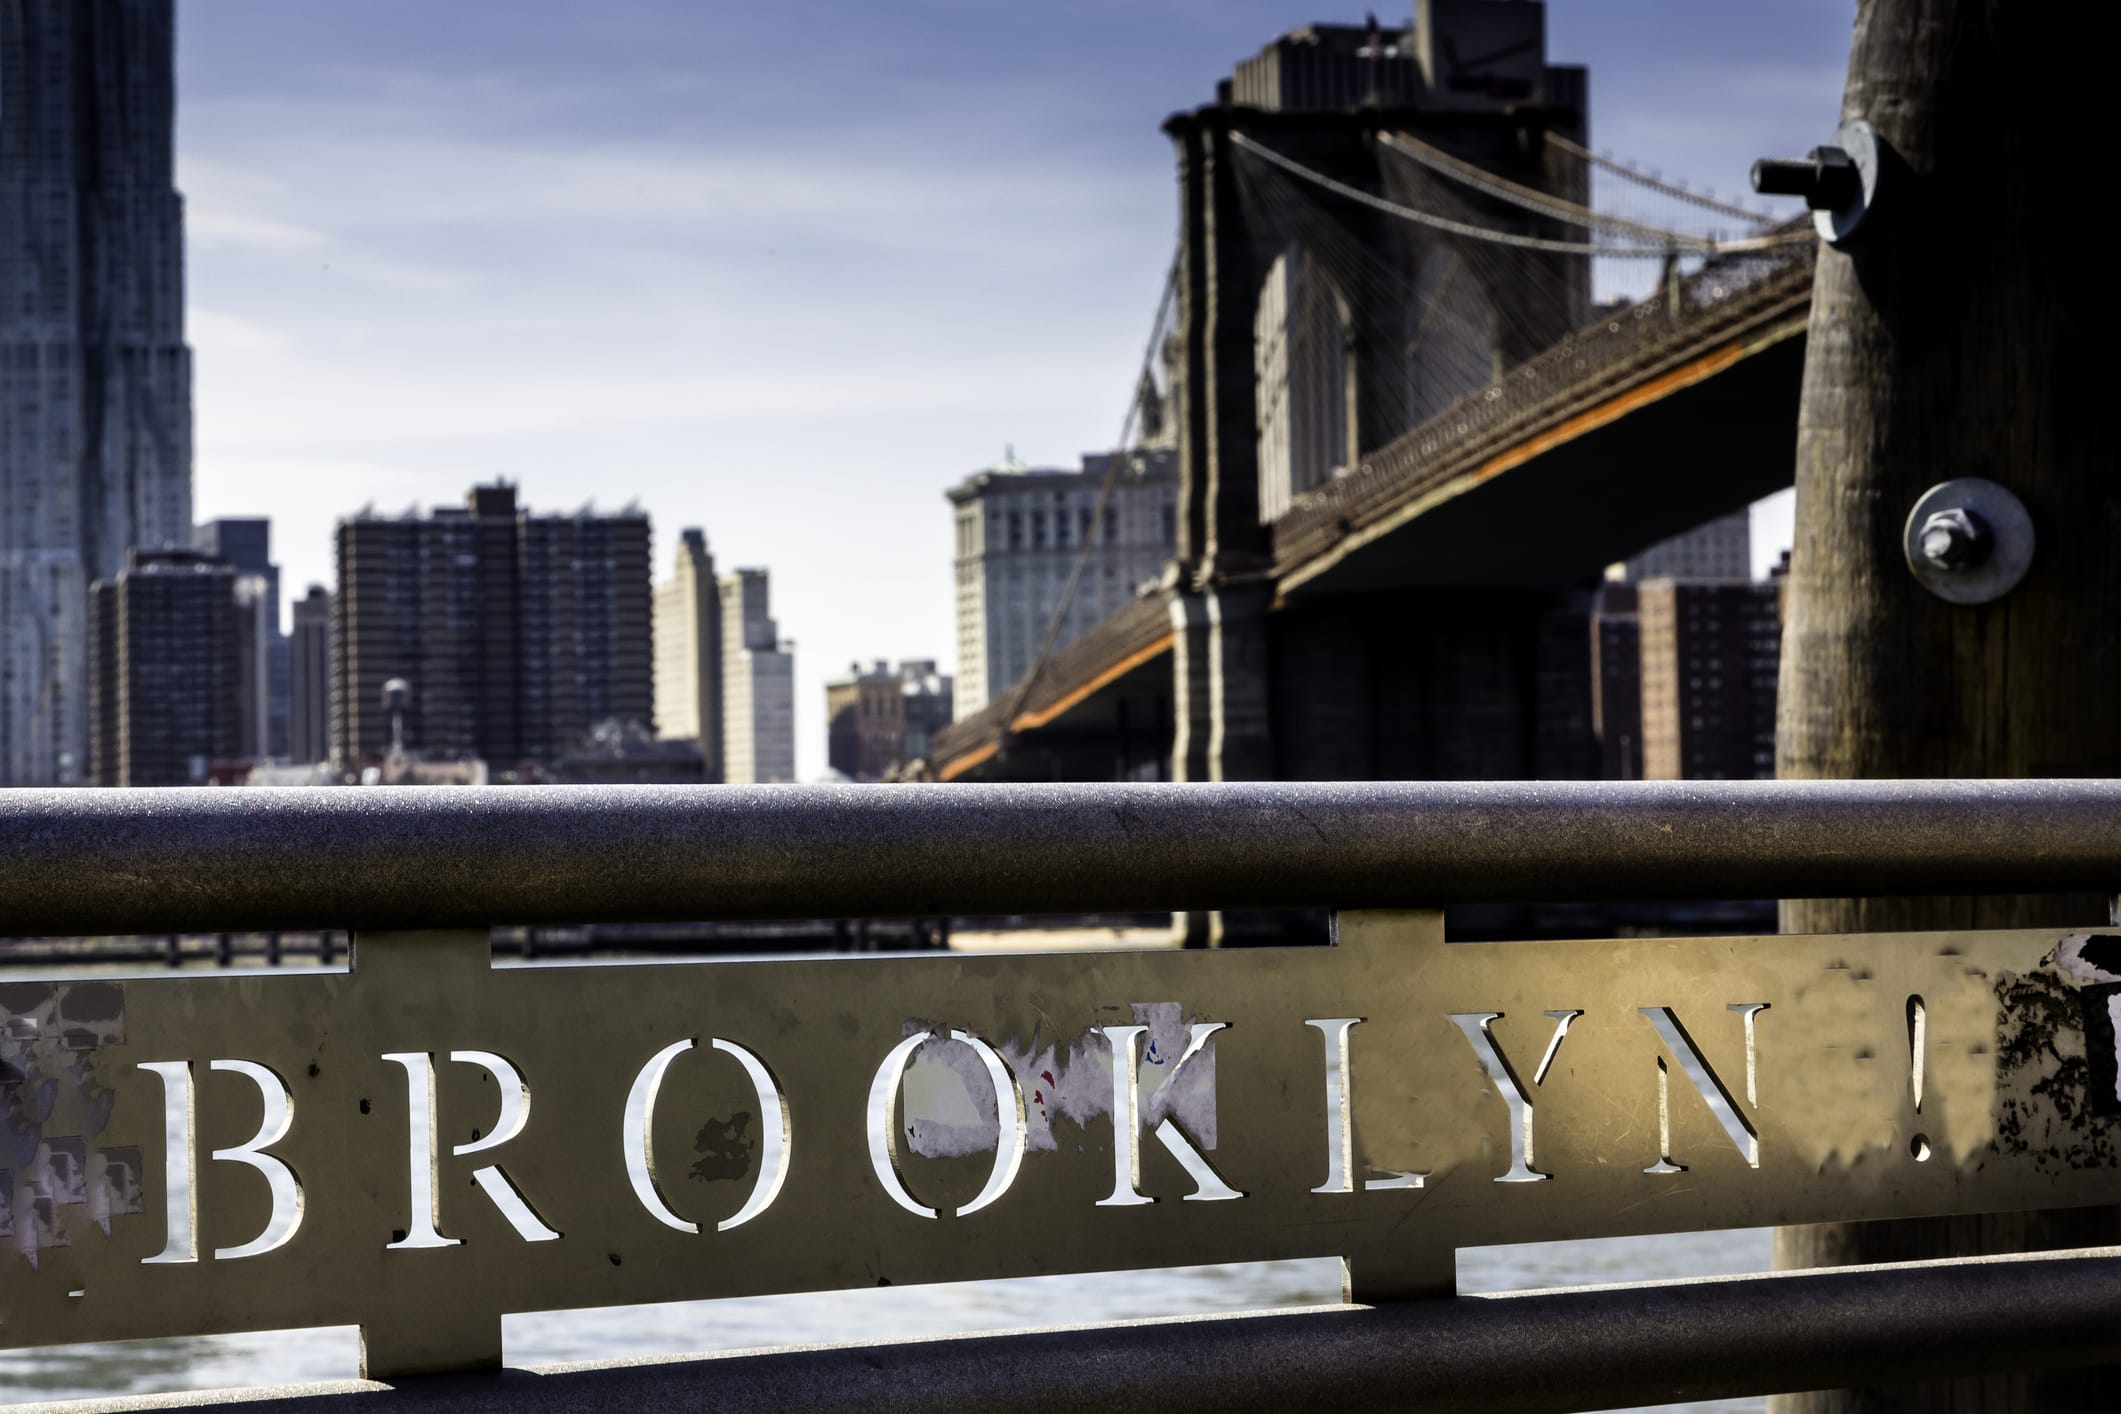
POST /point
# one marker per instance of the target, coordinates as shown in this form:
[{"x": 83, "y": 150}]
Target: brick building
[
  {"x": 1709, "y": 655},
  {"x": 880, "y": 718}
]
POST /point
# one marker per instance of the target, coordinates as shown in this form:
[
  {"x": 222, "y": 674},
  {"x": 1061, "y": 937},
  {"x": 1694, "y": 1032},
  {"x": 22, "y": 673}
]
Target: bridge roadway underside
[
  {"x": 1560, "y": 507},
  {"x": 1449, "y": 638},
  {"x": 1411, "y": 684}
]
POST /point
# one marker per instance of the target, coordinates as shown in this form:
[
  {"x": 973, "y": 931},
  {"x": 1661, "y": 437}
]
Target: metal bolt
[
  {"x": 1826, "y": 179},
  {"x": 1968, "y": 540},
  {"x": 1955, "y": 539},
  {"x": 1839, "y": 181}
]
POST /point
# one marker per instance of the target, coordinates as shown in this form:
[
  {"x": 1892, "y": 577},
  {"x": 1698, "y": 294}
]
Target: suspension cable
[
  {"x": 1642, "y": 178},
  {"x": 1530, "y": 199},
  {"x": 1508, "y": 238},
  {"x": 1095, "y": 538}
]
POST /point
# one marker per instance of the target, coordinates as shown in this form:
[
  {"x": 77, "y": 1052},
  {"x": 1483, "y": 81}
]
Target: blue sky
[{"x": 784, "y": 271}]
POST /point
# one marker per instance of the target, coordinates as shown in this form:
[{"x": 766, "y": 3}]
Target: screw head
[{"x": 1955, "y": 539}]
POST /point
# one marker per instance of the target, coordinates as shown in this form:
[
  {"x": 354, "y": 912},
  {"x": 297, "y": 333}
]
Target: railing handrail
[
  {"x": 184, "y": 860},
  {"x": 1533, "y": 1352}
]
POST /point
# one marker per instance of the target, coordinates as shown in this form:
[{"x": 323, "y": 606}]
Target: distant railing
[
  {"x": 423, "y": 1142},
  {"x": 1131, "y": 631}
]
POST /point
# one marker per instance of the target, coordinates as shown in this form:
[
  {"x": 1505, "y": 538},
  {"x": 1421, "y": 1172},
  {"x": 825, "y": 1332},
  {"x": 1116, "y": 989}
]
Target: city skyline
[{"x": 592, "y": 252}]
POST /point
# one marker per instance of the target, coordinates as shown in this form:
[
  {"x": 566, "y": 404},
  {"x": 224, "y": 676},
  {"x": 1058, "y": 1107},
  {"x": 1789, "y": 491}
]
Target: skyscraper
[
  {"x": 758, "y": 685},
  {"x": 309, "y": 679},
  {"x": 172, "y": 669},
  {"x": 688, "y": 652},
  {"x": 95, "y": 378},
  {"x": 517, "y": 632},
  {"x": 245, "y": 542}
]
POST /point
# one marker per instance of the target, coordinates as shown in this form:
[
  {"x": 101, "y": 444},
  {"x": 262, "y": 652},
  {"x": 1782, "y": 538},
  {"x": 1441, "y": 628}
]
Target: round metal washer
[
  {"x": 1837, "y": 225},
  {"x": 2011, "y": 541}
]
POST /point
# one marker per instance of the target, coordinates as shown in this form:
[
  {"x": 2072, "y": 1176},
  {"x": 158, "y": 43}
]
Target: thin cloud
[
  {"x": 216, "y": 228},
  {"x": 786, "y": 272}
]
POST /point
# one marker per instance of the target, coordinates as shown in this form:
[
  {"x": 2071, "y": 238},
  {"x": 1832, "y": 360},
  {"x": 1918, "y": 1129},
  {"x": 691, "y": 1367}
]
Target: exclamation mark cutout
[{"x": 1917, "y": 1044}]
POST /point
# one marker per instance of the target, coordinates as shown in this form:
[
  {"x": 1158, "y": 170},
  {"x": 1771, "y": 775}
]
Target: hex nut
[{"x": 1956, "y": 539}]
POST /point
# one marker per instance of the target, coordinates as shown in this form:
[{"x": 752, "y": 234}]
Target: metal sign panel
[{"x": 425, "y": 1142}]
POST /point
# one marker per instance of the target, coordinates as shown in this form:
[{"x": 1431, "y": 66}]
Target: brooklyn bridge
[{"x": 1409, "y": 436}]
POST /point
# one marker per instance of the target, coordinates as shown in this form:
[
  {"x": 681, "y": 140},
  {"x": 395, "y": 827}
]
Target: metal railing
[
  {"x": 206, "y": 860},
  {"x": 1129, "y": 630},
  {"x": 400, "y": 868}
]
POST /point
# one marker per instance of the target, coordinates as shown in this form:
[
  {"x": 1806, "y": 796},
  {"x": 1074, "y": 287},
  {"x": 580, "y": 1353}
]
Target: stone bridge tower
[{"x": 1322, "y": 98}]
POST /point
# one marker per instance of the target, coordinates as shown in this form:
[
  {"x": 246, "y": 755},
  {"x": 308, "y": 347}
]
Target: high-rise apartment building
[
  {"x": 1655, "y": 625},
  {"x": 758, "y": 685},
  {"x": 245, "y": 543},
  {"x": 1616, "y": 681},
  {"x": 929, "y": 706},
  {"x": 688, "y": 652},
  {"x": 1019, "y": 533},
  {"x": 167, "y": 639},
  {"x": 309, "y": 679},
  {"x": 95, "y": 377},
  {"x": 256, "y": 641},
  {"x": 586, "y": 627},
  {"x": 516, "y": 632},
  {"x": 1709, "y": 654}
]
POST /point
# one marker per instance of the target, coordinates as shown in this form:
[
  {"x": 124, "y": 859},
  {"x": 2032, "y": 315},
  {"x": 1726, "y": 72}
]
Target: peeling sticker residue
[
  {"x": 114, "y": 1187},
  {"x": 2090, "y": 957},
  {"x": 2113, "y": 1034},
  {"x": 948, "y": 1108},
  {"x": 2102, "y": 1047},
  {"x": 2049, "y": 1103},
  {"x": 2092, "y": 963},
  {"x": 53, "y": 1104}
]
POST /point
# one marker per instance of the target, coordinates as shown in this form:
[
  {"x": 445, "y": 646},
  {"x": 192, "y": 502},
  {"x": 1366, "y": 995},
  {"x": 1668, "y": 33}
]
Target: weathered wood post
[{"x": 1956, "y": 335}]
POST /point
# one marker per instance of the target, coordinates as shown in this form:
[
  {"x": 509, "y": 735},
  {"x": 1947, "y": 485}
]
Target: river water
[
  {"x": 145, "y": 1366},
  {"x": 151, "y": 1366}
]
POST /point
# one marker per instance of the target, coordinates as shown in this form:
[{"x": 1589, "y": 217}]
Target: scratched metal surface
[
  {"x": 2013, "y": 1115},
  {"x": 203, "y": 860}
]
